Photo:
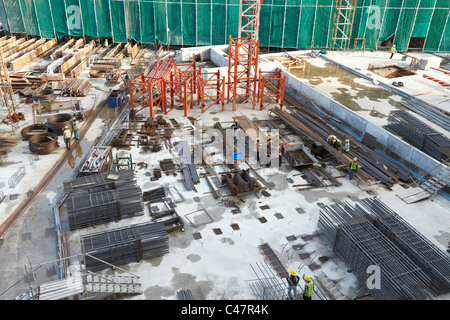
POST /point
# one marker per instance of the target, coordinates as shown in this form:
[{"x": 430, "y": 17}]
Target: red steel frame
[
  {"x": 271, "y": 87},
  {"x": 242, "y": 70},
  {"x": 180, "y": 92},
  {"x": 213, "y": 83}
]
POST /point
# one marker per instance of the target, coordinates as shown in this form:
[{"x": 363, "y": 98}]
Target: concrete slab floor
[{"x": 213, "y": 265}]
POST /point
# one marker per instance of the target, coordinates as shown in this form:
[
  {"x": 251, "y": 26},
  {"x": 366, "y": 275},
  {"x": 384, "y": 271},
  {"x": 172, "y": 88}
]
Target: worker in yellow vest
[
  {"x": 67, "y": 134},
  {"x": 309, "y": 288},
  {"x": 353, "y": 168},
  {"x": 292, "y": 281},
  {"x": 347, "y": 146}
]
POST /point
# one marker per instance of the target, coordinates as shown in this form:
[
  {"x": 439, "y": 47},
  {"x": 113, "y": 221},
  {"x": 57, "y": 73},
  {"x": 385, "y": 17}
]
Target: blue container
[{"x": 115, "y": 98}]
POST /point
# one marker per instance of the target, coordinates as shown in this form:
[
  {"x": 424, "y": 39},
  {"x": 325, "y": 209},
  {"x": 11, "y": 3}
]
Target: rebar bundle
[
  {"x": 93, "y": 203},
  {"x": 419, "y": 134},
  {"x": 125, "y": 245},
  {"x": 154, "y": 195},
  {"x": 57, "y": 122},
  {"x": 356, "y": 240},
  {"x": 43, "y": 143},
  {"x": 268, "y": 285},
  {"x": 434, "y": 262},
  {"x": 31, "y": 130}
]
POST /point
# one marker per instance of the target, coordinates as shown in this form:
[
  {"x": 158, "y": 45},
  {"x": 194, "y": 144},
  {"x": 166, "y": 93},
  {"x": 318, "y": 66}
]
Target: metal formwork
[{"x": 356, "y": 240}]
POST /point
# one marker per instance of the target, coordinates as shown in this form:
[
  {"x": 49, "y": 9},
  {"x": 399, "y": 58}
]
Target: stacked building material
[
  {"x": 98, "y": 160},
  {"x": 419, "y": 134},
  {"x": 434, "y": 262},
  {"x": 76, "y": 88},
  {"x": 124, "y": 245},
  {"x": 92, "y": 203},
  {"x": 359, "y": 243}
]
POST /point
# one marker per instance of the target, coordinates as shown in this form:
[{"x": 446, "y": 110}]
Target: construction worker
[
  {"x": 75, "y": 128},
  {"x": 337, "y": 144},
  {"x": 293, "y": 281},
  {"x": 257, "y": 149},
  {"x": 331, "y": 138},
  {"x": 309, "y": 288},
  {"x": 282, "y": 146},
  {"x": 353, "y": 168},
  {"x": 106, "y": 42},
  {"x": 347, "y": 146},
  {"x": 67, "y": 134},
  {"x": 393, "y": 50},
  {"x": 235, "y": 125}
]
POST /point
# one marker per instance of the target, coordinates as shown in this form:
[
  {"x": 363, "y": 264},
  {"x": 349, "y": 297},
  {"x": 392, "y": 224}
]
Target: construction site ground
[{"x": 217, "y": 254}]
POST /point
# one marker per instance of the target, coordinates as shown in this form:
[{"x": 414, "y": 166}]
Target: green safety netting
[{"x": 283, "y": 23}]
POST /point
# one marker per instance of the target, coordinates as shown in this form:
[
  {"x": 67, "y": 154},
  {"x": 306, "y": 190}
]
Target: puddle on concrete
[
  {"x": 317, "y": 76},
  {"x": 106, "y": 112}
]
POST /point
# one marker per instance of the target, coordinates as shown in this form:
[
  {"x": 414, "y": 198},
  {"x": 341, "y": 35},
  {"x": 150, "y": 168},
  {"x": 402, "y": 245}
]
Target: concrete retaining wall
[{"x": 392, "y": 142}]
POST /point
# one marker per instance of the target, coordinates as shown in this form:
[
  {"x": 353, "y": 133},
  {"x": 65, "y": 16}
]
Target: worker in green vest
[
  {"x": 75, "y": 128},
  {"x": 353, "y": 168},
  {"x": 393, "y": 50},
  {"x": 309, "y": 288},
  {"x": 67, "y": 134},
  {"x": 347, "y": 146},
  {"x": 337, "y": 144},
  {"x": 235, "y": 125}
]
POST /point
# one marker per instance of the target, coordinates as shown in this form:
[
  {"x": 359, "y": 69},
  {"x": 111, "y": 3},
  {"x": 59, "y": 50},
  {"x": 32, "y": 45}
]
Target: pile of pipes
[
  {"x": 419, "y": 134},
  {"x": 315, "y": 127},
  {"x": 369, "y": 234},
  {"x": 121, "y": 246},
  {"x": 102, "y": 198},
  {"x": 99, "y": 160},
  {"x": 76, "y": 88}
]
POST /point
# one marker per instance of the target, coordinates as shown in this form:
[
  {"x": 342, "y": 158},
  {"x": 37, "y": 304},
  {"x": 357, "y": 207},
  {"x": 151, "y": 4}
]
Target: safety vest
[
  {"x": 283, "y": 145},
  {"x": 347, "y": 146},
  {"x": 392, "y": 49},
  {"x": 67, "y": 134},
  {"x": 75, "y": 125},
  {"x": 293, "y": 280},
  {"x": 353, "y": 165},
  {"x": 309, "y": 289}
]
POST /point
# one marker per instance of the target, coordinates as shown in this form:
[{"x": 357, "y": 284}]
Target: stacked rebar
[
  {"x": 57, "y": 122},
  {"x": 419, "y": 134},
  {"x": 43, "y": 143},
  {"x": 154, "y": 195},
  {"x": 356, "y": 240},
  {"x": 124, "y": 245},
  {"x": 434, "y": 262},
  {"x": 92, "y": 203}
]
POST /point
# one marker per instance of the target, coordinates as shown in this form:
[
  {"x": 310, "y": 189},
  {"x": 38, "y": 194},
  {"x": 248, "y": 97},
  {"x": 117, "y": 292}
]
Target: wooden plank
[
  {"x": 5, "y": 42},
  {"x": 59, "y": 53},
  {"x": 18, "y": 48},
  {"x": 69, "y": 64},
  {"x": 114, "y": 51},
  {"x": 13, "y": 44},
  {"x": 30, "y": 56},
  {"x": 84, "y": 64}
]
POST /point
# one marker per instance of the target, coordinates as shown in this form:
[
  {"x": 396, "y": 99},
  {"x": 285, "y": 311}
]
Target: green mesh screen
[{"x": 283, "y": 23}]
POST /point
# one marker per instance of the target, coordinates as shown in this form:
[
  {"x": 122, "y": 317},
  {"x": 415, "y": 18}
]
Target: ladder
[
  {"x": 436, "y": 182},
  {"x": 96, "y": 283},
  {"x": 6, "y": 93}
]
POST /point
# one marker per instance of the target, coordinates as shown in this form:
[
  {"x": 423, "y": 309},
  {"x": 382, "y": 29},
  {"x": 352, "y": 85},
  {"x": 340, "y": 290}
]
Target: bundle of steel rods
[
  {"x": 429, "y": 112},
  {"x": 93, "y": 204},
  {"x": 43, "y": 143},
  {"x": 154, "y": 195},
  {"x": 419, "y": 134},
  {"x": 76, "y": 88},
  {"x": 99, "y": 182},
  {"x": 358, "y": 242},
  {"x": 124, "y": 245},
  {"x": 434, "y": 262},
  {"x": 57, "y": 122}
]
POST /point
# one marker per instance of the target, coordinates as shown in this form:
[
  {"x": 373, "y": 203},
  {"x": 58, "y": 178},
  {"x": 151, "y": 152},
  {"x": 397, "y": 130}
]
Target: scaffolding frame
[
  {"x": 343, "y": 18},
  {"x": 272, "y": 87},
  {"x": 214, "y": 83},
  {"x": 7, "y": 93}
]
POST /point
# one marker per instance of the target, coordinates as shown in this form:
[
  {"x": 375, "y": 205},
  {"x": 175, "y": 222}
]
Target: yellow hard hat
[
  {"x": 257, "y": 138},
  {"x": 269, "y": 137},
  {"x": 307, "y": 278},
  {"x": 74, "y": 118},
  {"x": 330, "y": 137},
  {"x": 276, "y": 133},
  {"x": 354, "y": 159},
  {"x": 293, "y": 272},
  {"x": 66, "y": 127},
  {"x": 334, "y": 140},
  {"x": 346, "y": 140},
  {"x": 236, "y": 120}
]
